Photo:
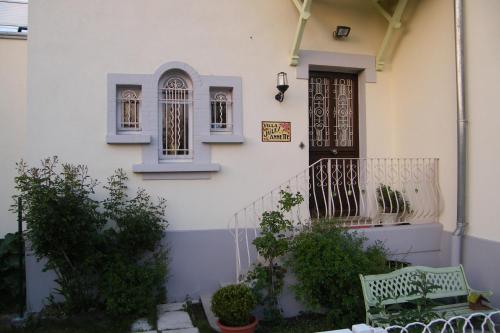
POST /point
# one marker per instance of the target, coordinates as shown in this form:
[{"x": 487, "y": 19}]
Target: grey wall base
[
  {"x": 482, "y": 265},
  {"x": 481, "y": 261},
  {"x": 203, "y": 259},
  {"x": 39, "y": 284}
]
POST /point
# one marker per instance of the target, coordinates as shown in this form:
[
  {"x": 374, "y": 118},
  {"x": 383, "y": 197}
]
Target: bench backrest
[{"x": 396, "y": 287}]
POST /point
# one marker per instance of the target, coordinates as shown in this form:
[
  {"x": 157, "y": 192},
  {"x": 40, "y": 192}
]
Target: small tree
[
  {"x": 63, "y": 226},
  {"x": 272, "y": 244}
]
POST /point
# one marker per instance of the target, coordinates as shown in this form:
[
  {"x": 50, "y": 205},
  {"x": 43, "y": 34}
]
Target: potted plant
[
  {"x": 233, "y": 306},
  {"x": 392, "y": 204},
  {"x": 476, "y": 300}
]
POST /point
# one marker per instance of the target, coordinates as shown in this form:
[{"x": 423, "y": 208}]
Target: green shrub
[
  {"x": 130, "y": 288},
  {"x": 233, "y": 305},
  {"x": 327, "y": 261},
  {"x": 10, "y": 272},
  {"x": 135, "y": 264},
  {"x": 105, "y": 254},
  {"x": 63, "y": 226}
]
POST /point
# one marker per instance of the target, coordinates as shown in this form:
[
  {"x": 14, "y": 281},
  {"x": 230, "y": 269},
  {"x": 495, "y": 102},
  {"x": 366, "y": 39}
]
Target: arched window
[
  {"x": 221, "y": 110},
  {"x": 129, "y": 110},
  {"x": 175, "y": 114},
  {"x": 176, "y": 117}
]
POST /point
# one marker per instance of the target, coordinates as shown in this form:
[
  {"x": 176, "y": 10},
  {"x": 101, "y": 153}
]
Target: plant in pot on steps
[
  {"x": 233, "y": 306},
  {"x": 391, "y": 204}
]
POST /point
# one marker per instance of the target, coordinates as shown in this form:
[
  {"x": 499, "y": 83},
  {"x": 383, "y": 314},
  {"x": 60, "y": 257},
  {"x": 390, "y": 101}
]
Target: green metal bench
[{"x": 396, "y": 288}]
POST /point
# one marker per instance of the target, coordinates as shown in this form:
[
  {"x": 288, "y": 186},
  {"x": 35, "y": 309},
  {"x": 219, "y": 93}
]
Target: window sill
[
  {"x": 128, "y": 138},
  {"x": 175, "y": 167},
  {"x": 223, "y": 138}
]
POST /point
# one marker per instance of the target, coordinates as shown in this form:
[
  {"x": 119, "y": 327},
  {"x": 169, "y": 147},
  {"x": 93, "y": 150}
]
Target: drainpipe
[{"x": 462, "y": 122}]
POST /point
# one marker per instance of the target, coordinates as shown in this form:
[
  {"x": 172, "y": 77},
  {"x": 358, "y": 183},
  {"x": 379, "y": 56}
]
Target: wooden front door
[{"x": 333, "y": 143}]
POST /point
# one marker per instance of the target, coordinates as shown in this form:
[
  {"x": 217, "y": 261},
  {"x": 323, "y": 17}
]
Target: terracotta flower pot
[{"x": 250, "y": 328}]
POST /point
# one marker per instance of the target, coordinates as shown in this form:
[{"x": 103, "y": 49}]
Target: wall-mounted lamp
[
  {"x": 341, "y": 32},
  {"x": 282, "y": 86}
]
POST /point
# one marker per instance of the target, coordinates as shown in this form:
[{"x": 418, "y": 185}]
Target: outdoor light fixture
[
  {"x": 282, "y": 86},
  {"x": 342, "y": 32}
]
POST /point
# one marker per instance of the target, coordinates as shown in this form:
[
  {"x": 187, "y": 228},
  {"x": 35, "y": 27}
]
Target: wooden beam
[
  {"x": 394, "y": 23},
  {"x": 304, "y": 14}
]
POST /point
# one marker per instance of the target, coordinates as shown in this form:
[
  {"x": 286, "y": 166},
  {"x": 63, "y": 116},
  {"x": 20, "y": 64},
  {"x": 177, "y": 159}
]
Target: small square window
[
  {"x": 221, "y": 109},
  {"x": 128, "y": 108}
]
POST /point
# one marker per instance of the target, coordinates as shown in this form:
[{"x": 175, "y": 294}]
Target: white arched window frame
[
  {"x": 129, "y": 110},
  {"x": 221, "y": 110},
  {"x": 176, "y": 117}
]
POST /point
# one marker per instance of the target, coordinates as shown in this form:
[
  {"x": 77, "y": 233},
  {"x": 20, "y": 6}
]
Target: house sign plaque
[{"x": 276, "y": 131}]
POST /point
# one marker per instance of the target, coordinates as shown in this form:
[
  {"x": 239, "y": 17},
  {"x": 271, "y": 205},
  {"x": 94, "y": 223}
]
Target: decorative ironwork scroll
[
  {"x": 176, "y": 100},
  {"x": 319, "y": 116}
]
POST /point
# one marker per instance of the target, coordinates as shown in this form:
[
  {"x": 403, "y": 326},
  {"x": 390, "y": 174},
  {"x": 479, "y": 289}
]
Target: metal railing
[
  {"x": 358, "y": 193},
  {"x": 475, "y": 322}
]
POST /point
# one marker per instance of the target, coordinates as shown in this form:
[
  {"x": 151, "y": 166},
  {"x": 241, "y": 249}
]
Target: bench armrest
[{"x": 484, "y": 293}]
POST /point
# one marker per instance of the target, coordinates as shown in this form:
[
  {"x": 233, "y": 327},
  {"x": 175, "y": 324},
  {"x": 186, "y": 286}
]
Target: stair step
[
  {"x": 183, "y": 330},
  {"x": 174, "y": 320}
]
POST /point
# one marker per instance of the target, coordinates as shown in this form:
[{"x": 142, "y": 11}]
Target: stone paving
[{"x": 172, "y": 318}]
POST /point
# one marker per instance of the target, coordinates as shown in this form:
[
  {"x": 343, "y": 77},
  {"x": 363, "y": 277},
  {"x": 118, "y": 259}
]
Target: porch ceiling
[{"x": 392, "y": 11}]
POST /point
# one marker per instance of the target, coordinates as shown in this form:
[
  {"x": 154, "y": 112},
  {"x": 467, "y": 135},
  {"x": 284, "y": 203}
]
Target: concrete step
[
  {"x": 206, "y": 300},
  {"x": 173, "y": 320},
  {"x": 161, "y": 308},
  {"x": 183, "y": 330}
]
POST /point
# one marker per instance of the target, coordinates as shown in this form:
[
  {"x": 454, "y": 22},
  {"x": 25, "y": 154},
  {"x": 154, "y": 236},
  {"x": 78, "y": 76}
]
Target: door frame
[{"x": 361, "y": 64}]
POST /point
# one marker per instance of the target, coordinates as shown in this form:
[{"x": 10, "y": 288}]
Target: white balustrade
[{"x": 362, "y": 192}]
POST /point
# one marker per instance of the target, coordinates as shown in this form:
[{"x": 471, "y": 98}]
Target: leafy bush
[
  {"x": 327, "y": 261},
  {"x": 272, "y": 244},
  {"x": 10, "y": 272},
  {"x": 63, "y": 226},
  {"x": 105, "y": 254},
  {"x": 128, "y": 288},
  {"x": 233, "y": 305},
  {"x": 135, "y": 263}
]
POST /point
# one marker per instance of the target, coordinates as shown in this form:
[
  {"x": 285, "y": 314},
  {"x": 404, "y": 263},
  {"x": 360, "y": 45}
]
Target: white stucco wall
[
  {"x": 70, "y": 57},
  {"x": 483, "y": 84},
  {"x": 424, "y": 94},
  {"x": 424, "y": 104},
  {"x": 13, "y": 68},
  {"x": 411, "y": 109}
]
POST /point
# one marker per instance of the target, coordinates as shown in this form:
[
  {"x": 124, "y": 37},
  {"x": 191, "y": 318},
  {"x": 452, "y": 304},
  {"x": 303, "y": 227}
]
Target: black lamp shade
[
  {"x": 282, "y": 85},
  {"x": 282, "y": 79}
]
